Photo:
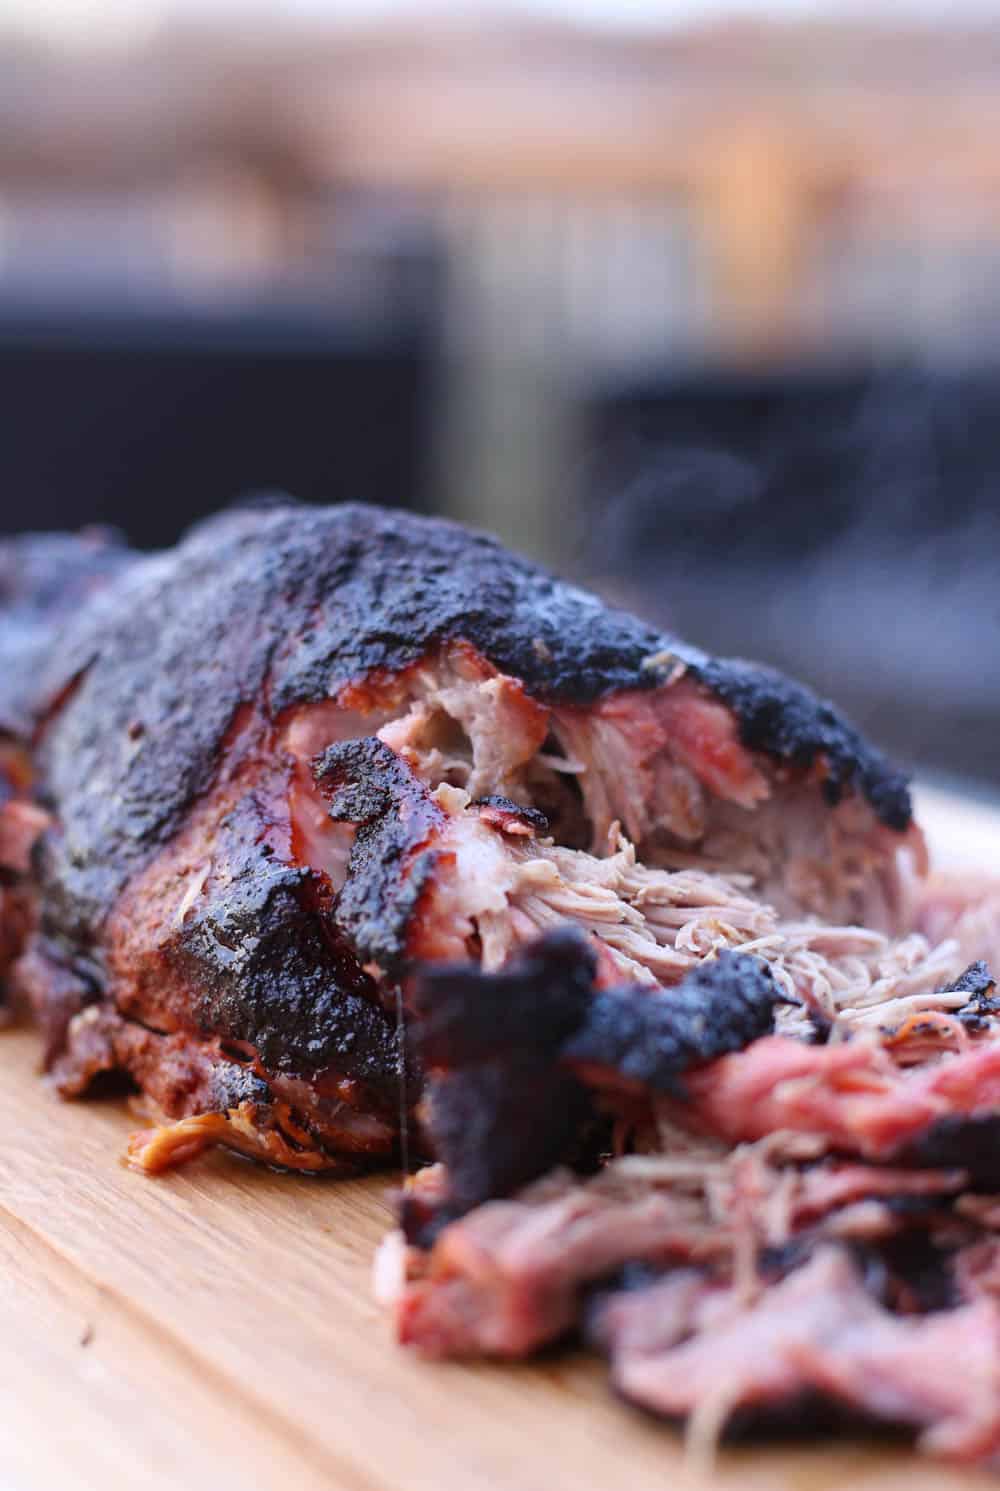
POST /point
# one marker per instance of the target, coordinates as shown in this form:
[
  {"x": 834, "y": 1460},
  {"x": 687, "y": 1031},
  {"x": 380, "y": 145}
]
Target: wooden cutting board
[{"x": 216, "y": 1328}]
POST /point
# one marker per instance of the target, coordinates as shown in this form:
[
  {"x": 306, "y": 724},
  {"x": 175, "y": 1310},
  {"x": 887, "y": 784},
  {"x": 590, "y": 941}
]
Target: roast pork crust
[
  {"x": 510, "y": 1055},
  {"x": 292, "y": 606},
  {"x": 256, "y": 791},
  {"x": 311, "y": 748},
  {"x": 45, "y": 579}
]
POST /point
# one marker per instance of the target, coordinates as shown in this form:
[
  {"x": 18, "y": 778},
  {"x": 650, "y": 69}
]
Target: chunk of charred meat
[
  {"x": 549, "y": 999},
  {"x": 636, "y": 1042},
  {"x": 516, "y": 1058},
  {"x": 498, "y": 1108},
  {"x": 309, "y": 748},
  {"x": 981, "y": 987}
]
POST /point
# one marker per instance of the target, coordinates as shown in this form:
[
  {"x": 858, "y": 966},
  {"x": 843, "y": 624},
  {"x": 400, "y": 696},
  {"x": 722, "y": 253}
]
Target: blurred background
[{"x": 699, "y": 303}]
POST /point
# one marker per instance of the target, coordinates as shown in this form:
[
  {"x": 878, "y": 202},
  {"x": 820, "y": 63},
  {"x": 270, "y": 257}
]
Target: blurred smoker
[{"x": 707, "y": 312}]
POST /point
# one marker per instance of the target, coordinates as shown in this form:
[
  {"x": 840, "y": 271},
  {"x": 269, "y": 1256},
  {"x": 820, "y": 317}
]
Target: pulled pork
[
  {"x": 687, "y": 1024},
  {"x": 797, "y": 1227}
]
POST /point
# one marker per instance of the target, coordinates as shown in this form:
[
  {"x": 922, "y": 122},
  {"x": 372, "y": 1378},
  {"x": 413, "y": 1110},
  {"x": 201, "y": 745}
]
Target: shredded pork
[
  {"x": 798, "y": 1226},
  {"x": 713, "y": 1072},
  {"x": 662, "y": 887}
]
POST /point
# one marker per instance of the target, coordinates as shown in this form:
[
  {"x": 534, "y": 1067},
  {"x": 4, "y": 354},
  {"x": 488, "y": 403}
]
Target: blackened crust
[
  {"x": 502, "y": 811},
  {"x": 512, "y": 1055},
  {"x": 978, "y": 982},
  {"x": 499, "y": 1125},
  {"x": 391, "y": 861},
  {"x": 782, "y": 719},
  {"x": 262, "y": 971},
  {"x": 293, "y": 603},
  {"x": 44, "y": 579},
  {"x": 533, "y": 1005},
  {"x": 649, "y": 1039},
  {"x": 546, "y": 1001},
  {"x": 499, "y": 1110}
]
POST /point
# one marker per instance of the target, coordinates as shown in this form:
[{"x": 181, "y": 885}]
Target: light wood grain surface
[{"x": 215, "y": 1327}]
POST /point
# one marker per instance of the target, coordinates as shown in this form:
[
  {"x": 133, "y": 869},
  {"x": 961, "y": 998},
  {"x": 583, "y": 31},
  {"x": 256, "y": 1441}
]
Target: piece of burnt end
[
  {"x": 533, "y": 1004},
  {"x": 646, "y": 1039},
  {"x": 498, "y": 1125},
  {"x": 514, "y": 1058},
  {"x": 978, "y": 982},
  {"x": 546, "y": 1000},
  {"x": 498, "y": 1109}
]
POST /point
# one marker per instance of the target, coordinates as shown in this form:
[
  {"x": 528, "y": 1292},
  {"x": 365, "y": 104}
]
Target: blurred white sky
[{"x": 110, "y": 21}]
